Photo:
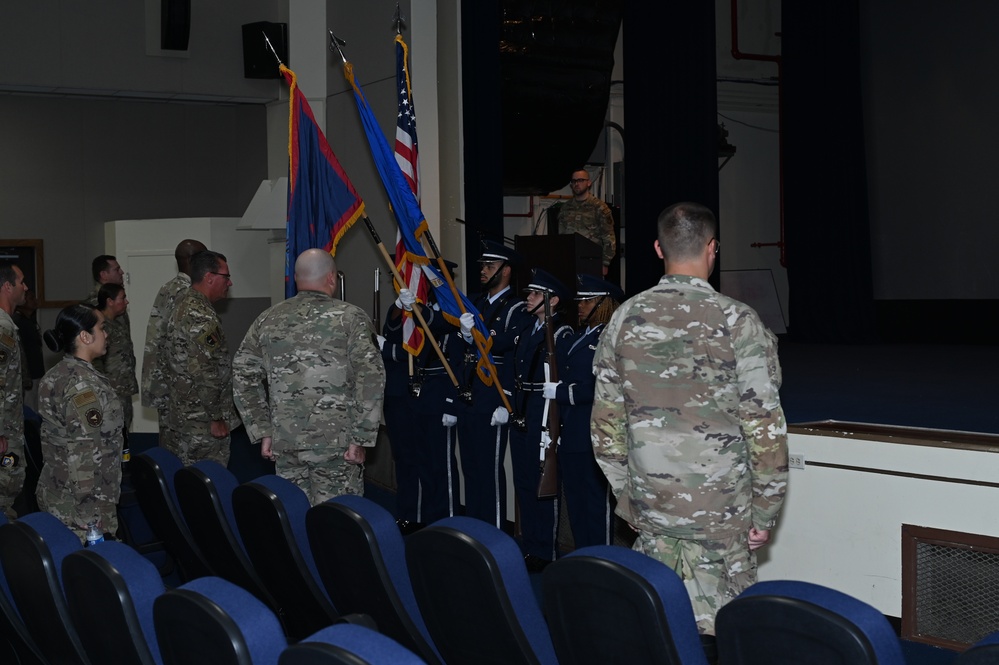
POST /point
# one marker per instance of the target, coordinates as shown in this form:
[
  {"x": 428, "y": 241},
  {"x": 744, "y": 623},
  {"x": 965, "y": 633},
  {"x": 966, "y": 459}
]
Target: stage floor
[{"x": 931, "y": 386}]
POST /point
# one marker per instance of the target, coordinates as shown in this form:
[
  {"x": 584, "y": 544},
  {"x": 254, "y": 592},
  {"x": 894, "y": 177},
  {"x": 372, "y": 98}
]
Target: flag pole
[{"x": 416, "y": 310}]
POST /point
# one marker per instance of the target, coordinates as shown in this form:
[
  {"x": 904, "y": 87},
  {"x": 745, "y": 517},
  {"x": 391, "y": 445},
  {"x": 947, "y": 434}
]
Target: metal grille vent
[{"x": 950, "y": 586}]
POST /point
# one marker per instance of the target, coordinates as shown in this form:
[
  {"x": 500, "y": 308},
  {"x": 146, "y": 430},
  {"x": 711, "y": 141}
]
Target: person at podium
[{"x": 588, "y": 216}]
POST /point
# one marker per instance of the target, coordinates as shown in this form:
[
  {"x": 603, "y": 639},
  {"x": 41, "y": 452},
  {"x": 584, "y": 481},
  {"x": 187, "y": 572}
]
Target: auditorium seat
[
  {"x": 347, "y": 644},
  {"x": 16, "y": 644},
  {"x": 361, "y": 558},
  {"x": 789, "y": 622},
  {"x": 110, "y": 589},
  {"x": 32, "y": 550},
  {"x": 270, "y": 515},
  {"x": 153, "y": 473},
  {"x": 204, "y": 494},
  {"x": 983, "y": 652},
  {"x": 475, "y": 595},
  {"x": 643, "y": 616},
  {"x": 210, "y": 620}
]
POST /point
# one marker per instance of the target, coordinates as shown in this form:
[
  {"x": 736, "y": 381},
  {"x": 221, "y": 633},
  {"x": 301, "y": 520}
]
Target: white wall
[{"x": 842, "y": 527}]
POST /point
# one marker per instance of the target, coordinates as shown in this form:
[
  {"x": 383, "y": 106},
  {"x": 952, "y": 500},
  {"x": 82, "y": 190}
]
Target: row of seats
[
  {"x": 455, "y": 592},
  {"x": 62, "y": 604}
]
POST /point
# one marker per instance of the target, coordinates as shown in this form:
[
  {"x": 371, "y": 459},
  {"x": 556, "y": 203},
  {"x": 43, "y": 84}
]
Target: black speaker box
[
  {"x": 175, "y": 24},
  {"x": 258, "y": 61}
]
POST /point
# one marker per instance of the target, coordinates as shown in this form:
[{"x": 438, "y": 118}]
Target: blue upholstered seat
[
  {"x": 611, "y": 604},
  {"x": 347, "y": 644},
  {"x": 983, "y": 652},
  {"x": 110, "y": 589},
  {"x": 210, "y": 620},
  {"x": 204, "y": 495},
  {"x": 799, "y": 622},
  {"x": 361, "y": 558},
  {"x": 475, "y": 595},
  {"x": 16, "y": 644},
  {"x": 32, "y": 550},
  {"x": 270, "y": 515},
  {"x": 153, "y": 473}
]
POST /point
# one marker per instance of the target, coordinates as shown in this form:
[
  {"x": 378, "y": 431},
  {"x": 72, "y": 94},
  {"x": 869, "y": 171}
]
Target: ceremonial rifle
[
  {"x": 376, "y": 306},
  {"x": 550, "y": 427}
]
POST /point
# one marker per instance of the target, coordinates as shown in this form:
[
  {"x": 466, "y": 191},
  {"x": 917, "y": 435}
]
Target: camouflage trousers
[
  {"x": 76, "y": 515},
  {"x": 12, "y": 478},
  {"x": 322, "y": 475},
  {"x": 194, "y": 445},
  {"x": 713, "y": 571}
]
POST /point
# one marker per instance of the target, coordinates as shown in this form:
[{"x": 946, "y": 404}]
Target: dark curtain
[
  {"x": 483, "y": 131},
  {"x": 827, "y": 228},
  {"x": 670, "y": 109}
]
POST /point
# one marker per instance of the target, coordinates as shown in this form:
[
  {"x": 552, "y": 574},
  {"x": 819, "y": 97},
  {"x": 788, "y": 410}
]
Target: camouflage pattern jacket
[
  {"x": 687, "y": 423},
  {"x": 154, "y": 387},
  {"x": 592, "y": 219},
  {"x": 197, "y": 366},
  {"x": 118, "y": 364},
  {"x": 309, "y": 375},
  {"x": 11, "y": 396},
  {"x": 81, "y": 445}
]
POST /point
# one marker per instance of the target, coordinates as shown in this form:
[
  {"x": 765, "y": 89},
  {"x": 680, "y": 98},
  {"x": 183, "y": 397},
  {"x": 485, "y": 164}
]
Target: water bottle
[{"x": 94, "y": 535}]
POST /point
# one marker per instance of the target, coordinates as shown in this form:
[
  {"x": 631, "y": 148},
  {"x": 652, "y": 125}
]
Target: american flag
[{"x": 407, "y": 156}]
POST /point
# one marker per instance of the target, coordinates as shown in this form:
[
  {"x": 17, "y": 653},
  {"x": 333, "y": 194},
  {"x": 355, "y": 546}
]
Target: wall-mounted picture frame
[{"x": 29, "y": 256}]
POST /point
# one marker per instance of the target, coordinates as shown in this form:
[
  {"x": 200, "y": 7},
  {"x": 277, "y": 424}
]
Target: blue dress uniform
[
  {"x": 589, "y": 500},
  {"x": 483, "y": 445},
  {"x": 538, "y": 517},
  {"x": 422, "y": 448}
]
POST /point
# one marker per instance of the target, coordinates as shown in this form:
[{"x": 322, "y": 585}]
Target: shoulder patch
[
  {"x": 211, "y": 338},
  {"x": 94, "y": 417}
]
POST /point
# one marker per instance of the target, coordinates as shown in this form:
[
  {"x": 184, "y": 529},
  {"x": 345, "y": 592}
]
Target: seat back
[
  {"x": 110, "y": 589},
  {"x": 153, "y": 473},
  {"x": 346, "y": 644},
  {"x": 212, "y": 621},
  {"x": 32, "y": 550},
  {"x": 475, "y": 595},
  {"x": 16, "y": 644},
  {"x": 799, "y": 622},
  {"x": 983, "y": 652},
  {"x": 361, "y": 558},
  {"x": 270, "y": 515},
  {"x": 204, "y": 495},
  {"x": 606, "y": 603}
]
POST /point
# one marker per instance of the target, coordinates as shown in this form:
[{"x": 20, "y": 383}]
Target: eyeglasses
[
  {"x": 222, "y": 274},
  {"x": 576, "y": 181}
]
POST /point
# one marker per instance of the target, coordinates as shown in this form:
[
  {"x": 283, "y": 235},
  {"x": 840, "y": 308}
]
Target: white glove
[
  {"x": 405, "y": 300},
  {"x": 549, "y": 389},
  {"x": 381, "y": 342},
  {"x": 500, "y": 417},
  {"x": 448, "y": 420},
  {"x": 467, "y": 323}
]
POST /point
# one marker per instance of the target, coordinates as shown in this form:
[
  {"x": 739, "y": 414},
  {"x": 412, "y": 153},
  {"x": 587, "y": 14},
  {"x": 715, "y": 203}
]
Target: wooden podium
[{"x": 564, "y": 256}]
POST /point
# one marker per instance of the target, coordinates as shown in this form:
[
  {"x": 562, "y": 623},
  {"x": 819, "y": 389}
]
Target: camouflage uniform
[
  {"x": 11, "y": 412},
  {"x": 592, "y": 219},
  {"x": 82, "y": 422},
  {"x": 688, "y": 428},
  {"x": 316, "y": 360},
  {"x": 196, "y": 365},
  {"x": 154, "y": 386},
  {"x": 118, "y": 364}
]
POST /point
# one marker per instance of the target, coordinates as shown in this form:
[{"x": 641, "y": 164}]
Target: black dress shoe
[
  {"x": 535, "y": 564},
  {"x": 407, "y": 527}
]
